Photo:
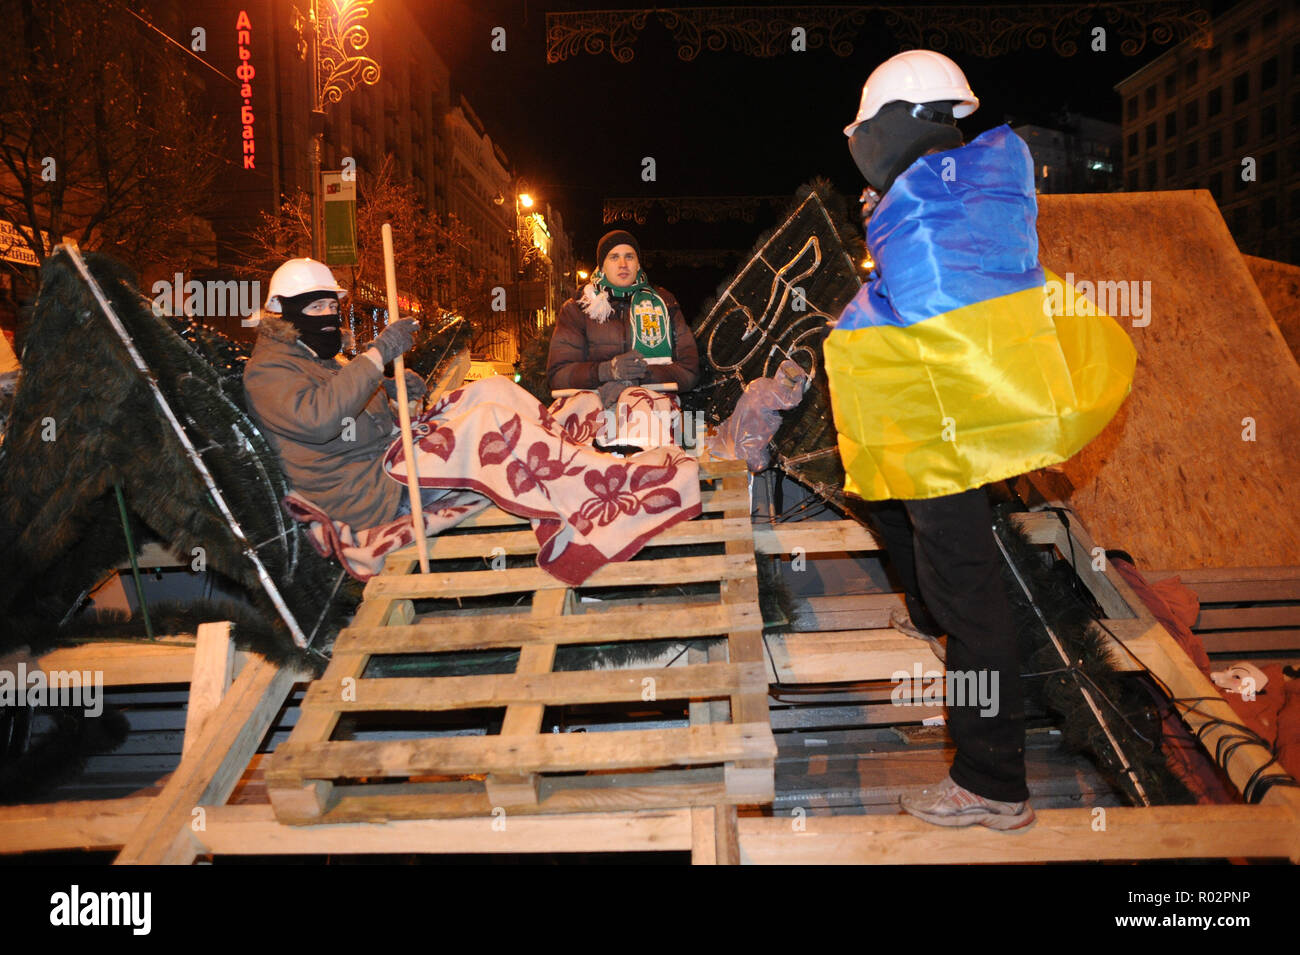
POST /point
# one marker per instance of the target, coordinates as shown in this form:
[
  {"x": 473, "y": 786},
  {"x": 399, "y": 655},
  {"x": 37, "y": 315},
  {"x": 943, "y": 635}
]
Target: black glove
[
  {"x": 629, "y": 366},
  {"x": 414, "y": 386},
  {"x": 395, "y": 339},
  {"x": 609, "y": 392}
]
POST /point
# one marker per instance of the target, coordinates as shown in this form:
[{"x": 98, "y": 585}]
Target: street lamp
[{"x": 336, "y": 38}]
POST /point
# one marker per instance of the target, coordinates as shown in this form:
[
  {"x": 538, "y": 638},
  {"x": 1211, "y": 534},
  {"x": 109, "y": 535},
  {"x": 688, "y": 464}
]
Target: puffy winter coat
[
  {"x": 329, "y": 424},
  {"x": 579, "y": 344}
]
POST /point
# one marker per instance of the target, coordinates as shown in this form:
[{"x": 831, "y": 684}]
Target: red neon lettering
[
  {"x": 244, "y": 37},
  {"x": 248, "y": 145},
  {"x": 243, "y": 22},
  {"x": 248, "y": 162}
]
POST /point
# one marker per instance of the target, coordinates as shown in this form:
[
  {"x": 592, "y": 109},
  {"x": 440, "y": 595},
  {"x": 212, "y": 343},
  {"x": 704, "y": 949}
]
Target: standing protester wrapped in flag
[
  {"x": 949, "y": 371},
  {"x": 622, "y": 331}
]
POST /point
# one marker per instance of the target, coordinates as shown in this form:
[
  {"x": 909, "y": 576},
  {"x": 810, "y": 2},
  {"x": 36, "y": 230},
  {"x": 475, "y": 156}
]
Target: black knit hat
[{"x": 611, "y": 239}]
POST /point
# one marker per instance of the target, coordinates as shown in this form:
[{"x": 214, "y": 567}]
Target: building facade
[
  {"x": 1226, "y": 119},
  {"x": 1073, "y": 154}
]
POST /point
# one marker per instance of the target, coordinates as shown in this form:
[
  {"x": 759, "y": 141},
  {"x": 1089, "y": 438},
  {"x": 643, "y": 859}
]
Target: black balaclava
[
  {"x": 311, "y": 327},
  {"x": 899, "y": 134}
]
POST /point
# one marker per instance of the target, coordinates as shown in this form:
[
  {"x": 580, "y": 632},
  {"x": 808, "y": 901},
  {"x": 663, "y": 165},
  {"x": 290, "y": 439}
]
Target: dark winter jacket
[
  {"x": 580, "y": 343},
  {"x": 329, "y": 424}
]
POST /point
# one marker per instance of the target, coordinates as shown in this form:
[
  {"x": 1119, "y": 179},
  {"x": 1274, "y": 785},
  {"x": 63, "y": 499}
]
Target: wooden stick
[
  {"x": 665, "y": 386},
  {"x": 403, "y": 412}
]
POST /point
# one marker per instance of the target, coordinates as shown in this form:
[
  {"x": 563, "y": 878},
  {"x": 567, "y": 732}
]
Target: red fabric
[
  {"x": 588, "y": 508},
  {"x": 1274, "y": 713}
]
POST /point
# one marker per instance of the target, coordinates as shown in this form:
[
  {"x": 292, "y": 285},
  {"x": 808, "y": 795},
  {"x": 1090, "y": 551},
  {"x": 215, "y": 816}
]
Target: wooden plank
[
  {"x": 814, "y": 537},
  {"x": 413, "y": 694},
  {"x": 1250, "y": 641},
  {"x": 594, "y": 626},
  {"x": 675, "y": 570},
  {"x": 1243, "y": 618},
  {"x": 607, "y": 792},
  {"x": 1059, "y": 835},
  {"x": 214, "y": 670},
  {"x": 208, "y": 774},
  {"x": 525, "y": 718},
  {"x": 704, "y": 839},
  {"x": 89, "y": 824},
  {"x": 547, "y": 752},
  {"x": 300, "y": 798},
  {"x": 242, "y": 830},
  {"x": 700, "y": 531},
  {"x": 127, "y": 662}
]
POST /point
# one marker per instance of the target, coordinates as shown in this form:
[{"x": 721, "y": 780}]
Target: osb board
[
  {"x": 1171, "y": 479},
  {"x": 1279, "y": 284}
]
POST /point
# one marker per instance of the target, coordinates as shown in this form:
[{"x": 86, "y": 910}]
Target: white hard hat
[
  {"x": 298, "y": 276},
  {"x": 917, "y": 76}
]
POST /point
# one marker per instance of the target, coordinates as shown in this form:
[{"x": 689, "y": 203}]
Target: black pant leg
[
  {"x": 958, "y": 567},
  {"x": 890, "y": 522}
]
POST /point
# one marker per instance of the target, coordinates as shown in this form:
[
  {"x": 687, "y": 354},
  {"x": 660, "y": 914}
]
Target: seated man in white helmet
[{"x": 329, "y": 422}]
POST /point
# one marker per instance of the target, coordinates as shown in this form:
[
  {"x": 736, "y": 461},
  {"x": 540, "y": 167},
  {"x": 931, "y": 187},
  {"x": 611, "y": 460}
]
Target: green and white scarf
[{"x": 651, "y": 323}]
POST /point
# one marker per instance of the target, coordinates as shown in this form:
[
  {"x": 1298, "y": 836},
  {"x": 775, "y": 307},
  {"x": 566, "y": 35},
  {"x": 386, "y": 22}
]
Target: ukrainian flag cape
[{"x": 963, "y": 362}]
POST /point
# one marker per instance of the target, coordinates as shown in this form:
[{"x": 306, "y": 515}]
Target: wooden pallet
[
  {"x": 1244, "y": 609},
  {"x": 315, "y": 777}
]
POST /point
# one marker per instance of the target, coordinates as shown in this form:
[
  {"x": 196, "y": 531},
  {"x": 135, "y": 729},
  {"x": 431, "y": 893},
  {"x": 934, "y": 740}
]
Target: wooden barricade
[{"x": 315, "y": 778}]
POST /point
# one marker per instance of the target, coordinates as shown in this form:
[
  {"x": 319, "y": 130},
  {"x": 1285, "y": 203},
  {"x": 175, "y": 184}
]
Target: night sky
[{"x": 724, "y": 124}]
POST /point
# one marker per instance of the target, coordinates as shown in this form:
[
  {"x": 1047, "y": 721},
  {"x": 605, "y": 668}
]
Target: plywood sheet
[
  {"x": 1279, "y": 284},
  {"x": 1171, "y": 479}
]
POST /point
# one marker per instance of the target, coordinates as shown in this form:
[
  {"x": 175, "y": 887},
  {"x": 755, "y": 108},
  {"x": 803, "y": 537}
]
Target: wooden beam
[
  {"x": 524, "y": 719},
  {"x": 545, "y": 752},
  {"x": 1059, "y": 835},
  {"x": 248, "y": 830},
  {"x": 214, "y": 671},
  {"x": 212, "y": 768},
  {"x": 815, "y": 537},
  {"x": 127, "y": 662},
  {"x": 88, "y": 824},
  {"x": 474, "y": 583},
  {"x": 516, "y": 630},
  {"x": 412, "y": 694}
]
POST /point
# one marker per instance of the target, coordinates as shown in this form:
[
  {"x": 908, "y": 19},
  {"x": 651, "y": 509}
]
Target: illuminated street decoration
[
  {"x": 985, "y": 31},
  {"x": 340, "y": 39},
  {"x": 245, "y": 73}
]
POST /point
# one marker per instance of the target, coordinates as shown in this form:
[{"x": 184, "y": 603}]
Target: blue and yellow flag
[{"x": 962, "y": 363}]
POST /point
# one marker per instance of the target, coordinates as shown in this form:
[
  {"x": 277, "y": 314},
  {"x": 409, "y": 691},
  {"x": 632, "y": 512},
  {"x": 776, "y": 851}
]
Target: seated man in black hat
[{"x": 621, "y": 331}]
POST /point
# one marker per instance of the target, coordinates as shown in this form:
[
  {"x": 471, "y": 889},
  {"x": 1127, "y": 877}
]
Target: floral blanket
[{"x": 492, "y": 441}]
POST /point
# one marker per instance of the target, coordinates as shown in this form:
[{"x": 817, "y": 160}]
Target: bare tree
[
  {"x": 101, "y": 134},
  {"x": 433, "y": 259}
]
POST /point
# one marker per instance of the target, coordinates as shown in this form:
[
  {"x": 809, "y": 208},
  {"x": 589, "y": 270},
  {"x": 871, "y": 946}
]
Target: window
[
  {"x": 1189, "y": 71},
  {"x": 1239, "y": 183},
  {"x": 1268, "y": 121},
  {"x": 1132, "y": 144},
  {"x": 1240, "y": 130},
  {"x": 1171, "y": 84},
  {"x": 1132, "y": 180},
  {"x": 1216, "y": 186},
  {"x": 1241, "y": 39},
  {"x": 1268, "y": 213},
  {"x": 1240, "y": 87},
  {"x": 1151, "y": 174},
  {"x": 1190, "y": 154},
  {"x": 1171, "y": 164},
  {"x": 1216, "y": 59},
  {"x": 1131, "y": 108},
  {"x": 1214, "y": 102},
  {"x": 1216, "y": 144},
  {"x": 1151, "y": 96},
  {"x": 1269, "y": 22},
  {"x": 1268, "y": 167},
  {"x": 1151, "y": 135},
  {"x": 1191, "y": 115},
  {"x": 1171, "y": 125},
  {"x": 1268, "y": 74}
]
